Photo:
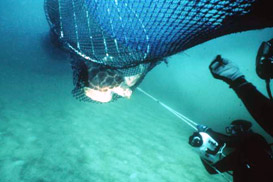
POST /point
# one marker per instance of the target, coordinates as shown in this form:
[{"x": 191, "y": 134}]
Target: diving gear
[
  {"x": 234, "y": 129},
  {"x": 206, "y": 146},
  {"x": 264, "y": 64},
  {"x": 238, "y": 127},
  {"x": 196, "y": 140},
  {"x": 202, "y": 128},
  {"x": 264, "y": 60},
  {"x": 224, "y": 70}
]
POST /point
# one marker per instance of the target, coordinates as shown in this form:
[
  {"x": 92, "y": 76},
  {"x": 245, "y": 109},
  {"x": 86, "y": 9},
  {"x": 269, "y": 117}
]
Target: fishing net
[
  {"x": 132, "y": 36},
  {"x": 123, "y": 33}
]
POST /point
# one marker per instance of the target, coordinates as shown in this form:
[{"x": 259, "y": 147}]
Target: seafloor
[{"x": 48, "y": 136}]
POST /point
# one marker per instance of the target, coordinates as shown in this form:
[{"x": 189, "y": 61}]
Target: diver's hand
[
  {"x": 202, "y": 128},
  {"x": 223, "y": 69}
]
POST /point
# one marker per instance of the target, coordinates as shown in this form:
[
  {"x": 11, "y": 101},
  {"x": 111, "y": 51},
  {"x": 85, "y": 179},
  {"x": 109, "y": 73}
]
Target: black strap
[{"x": 268, "y": 89}]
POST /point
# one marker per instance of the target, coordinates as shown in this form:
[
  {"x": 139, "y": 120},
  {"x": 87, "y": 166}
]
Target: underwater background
[{"x": 48, "y": 136}]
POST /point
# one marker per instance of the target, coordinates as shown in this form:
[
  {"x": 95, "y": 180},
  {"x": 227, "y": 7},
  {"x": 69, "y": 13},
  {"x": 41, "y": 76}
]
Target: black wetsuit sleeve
[{"x": 259, "y": 106}]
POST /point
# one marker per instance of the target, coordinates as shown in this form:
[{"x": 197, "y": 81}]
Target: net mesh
[
  {"x": 125, "y": 33},
  {"x": 133, "y": 36}
]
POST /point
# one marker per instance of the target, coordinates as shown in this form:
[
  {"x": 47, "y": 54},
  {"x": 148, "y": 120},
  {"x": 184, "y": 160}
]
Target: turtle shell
[{"x": 104, "y": 79}]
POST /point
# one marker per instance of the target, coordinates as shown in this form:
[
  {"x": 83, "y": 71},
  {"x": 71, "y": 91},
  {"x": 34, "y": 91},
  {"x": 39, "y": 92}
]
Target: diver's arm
[{"x": 259, "y": 106}]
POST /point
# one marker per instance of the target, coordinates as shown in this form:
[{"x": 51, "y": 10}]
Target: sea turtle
[
  {"x": 100, "y": 83},
  {"x": 103, "y": 83}
]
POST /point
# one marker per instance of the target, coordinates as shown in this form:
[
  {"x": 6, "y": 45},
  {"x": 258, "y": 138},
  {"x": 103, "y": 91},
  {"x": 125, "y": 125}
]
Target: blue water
[{"x": 46, "y": 135}]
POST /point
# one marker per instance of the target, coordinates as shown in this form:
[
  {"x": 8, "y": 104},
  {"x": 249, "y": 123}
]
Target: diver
[
  {"x": 258, "y": 105},
  {"x": 249, "y": 157}
]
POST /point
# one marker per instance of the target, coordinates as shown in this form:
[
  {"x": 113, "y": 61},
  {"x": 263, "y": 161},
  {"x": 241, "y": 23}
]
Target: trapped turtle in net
[{"x": 126, "y": 39}]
